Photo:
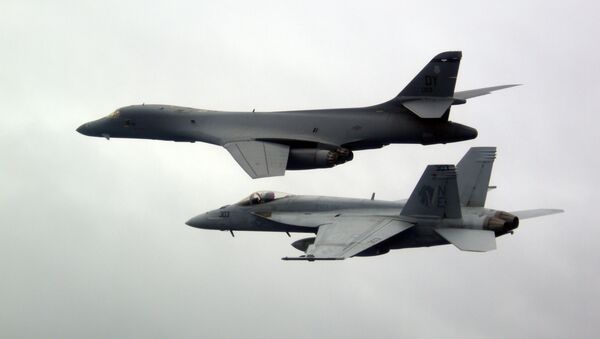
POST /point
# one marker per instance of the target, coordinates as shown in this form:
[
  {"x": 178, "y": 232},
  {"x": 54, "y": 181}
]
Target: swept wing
[
  {"x": 259, "y": 158},
  {"x": 347, "y": 236}
]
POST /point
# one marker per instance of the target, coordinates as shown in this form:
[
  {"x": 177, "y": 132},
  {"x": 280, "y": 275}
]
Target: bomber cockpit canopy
[
  {"x": 262, "y": 197},
  {"x": 114, "y": 114}
]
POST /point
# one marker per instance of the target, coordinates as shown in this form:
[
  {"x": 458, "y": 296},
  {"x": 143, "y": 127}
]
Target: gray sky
[{"x": 92, "y": 239}]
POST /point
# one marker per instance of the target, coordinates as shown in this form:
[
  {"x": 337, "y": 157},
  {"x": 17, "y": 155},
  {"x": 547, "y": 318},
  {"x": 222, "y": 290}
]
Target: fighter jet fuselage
[
  {"x": 446, "y": 207},
  {"x": 310, "y": 212}
]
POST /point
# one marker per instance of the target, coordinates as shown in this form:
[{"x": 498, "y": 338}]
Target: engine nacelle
[{"x": 309, "y": 158}]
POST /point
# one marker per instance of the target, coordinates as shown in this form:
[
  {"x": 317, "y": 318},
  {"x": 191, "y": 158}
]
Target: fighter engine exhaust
[{"x": 501, "y": 222}]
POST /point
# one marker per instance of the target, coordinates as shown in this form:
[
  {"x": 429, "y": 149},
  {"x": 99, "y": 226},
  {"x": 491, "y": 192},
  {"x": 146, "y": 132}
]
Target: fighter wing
[
  {"x": 349, "y": 235},
  {"x": 260, "y": 159}
]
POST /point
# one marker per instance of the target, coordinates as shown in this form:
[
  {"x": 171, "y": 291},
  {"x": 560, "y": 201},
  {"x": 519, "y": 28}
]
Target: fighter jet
[
  {"x": 265, "y": 144},
  {"x": 446, "y": 207}
]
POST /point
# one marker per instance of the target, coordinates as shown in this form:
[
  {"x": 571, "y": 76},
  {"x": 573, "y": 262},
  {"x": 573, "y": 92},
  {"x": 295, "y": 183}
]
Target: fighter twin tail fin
[
  {"x": 474, "y": 172},
  {"x": 436, "y": 194},
  {"x": 443, "y": 190}
]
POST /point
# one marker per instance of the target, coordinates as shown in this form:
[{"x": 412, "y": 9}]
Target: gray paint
[
  {"x": 93, "y": 242},
  {"x": 336, "y": 127},
  {"x": 436, "y": 213},
  {"x": 418, "y": 115}
]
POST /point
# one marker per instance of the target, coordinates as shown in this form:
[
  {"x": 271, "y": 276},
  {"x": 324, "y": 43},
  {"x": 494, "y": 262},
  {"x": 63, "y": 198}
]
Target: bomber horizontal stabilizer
[
  {"x": 464, "y": 95},
  {"x": 428, "y": 108}
]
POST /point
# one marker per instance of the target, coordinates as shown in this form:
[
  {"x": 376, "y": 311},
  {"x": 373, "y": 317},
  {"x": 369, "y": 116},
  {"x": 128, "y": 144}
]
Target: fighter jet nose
[
  {"x": 197, "y": 221},
  {"x": 191, "y": 222}
]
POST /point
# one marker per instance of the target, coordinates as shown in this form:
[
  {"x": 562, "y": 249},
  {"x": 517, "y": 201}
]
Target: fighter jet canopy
[{"x": 262, "y": 197}]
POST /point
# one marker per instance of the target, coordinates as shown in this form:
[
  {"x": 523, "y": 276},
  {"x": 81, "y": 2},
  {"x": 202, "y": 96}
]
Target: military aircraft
[
  {"x": 265, "y": 144},
  {"x": 446, "y": 207}
]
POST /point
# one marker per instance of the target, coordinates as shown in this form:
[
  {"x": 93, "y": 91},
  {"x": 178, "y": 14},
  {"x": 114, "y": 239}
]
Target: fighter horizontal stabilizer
[
  {"x": 464, "y": 95},
  {"x": 260, "y": 159},
  {"x": 526, "y": 214},
  {"x": 469, "y": 239},
  {"x": 436, "y": 194}
]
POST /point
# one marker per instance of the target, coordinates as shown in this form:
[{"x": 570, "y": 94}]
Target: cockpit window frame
[
  {"x": 114, "y": 114},
  {"x": 262, "y": 197}
]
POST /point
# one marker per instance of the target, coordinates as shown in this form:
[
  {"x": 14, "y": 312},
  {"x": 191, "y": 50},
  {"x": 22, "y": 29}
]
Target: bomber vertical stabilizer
[{"x": 430, "y": 94}]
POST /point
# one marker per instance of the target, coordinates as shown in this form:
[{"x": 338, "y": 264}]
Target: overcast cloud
[{"x": 93, "y": 242}]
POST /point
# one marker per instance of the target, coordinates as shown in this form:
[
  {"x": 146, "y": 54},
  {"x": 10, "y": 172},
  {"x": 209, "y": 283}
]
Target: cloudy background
[{"x": 92, "y": 239}]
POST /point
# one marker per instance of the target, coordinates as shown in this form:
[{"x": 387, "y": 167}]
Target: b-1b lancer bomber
[
  {"x": 446, "y": 207},
  {"x": 265, "y": 144}
]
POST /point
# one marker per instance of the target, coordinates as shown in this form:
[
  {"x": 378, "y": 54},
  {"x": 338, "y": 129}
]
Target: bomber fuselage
[{"x": 352, "y": 128}]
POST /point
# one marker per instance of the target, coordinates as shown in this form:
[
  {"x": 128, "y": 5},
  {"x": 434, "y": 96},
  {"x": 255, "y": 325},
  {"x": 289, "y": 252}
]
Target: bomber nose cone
[{"x": 83, "y": 129}]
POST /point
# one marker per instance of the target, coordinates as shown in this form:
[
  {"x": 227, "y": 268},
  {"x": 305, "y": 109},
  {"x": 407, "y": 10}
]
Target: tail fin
[
  {"x": 436, "y": 79},
  {"x": 436, "y": 194},
  {"x": 474, "y": 172},
  {"x": 430, "y": 94}
]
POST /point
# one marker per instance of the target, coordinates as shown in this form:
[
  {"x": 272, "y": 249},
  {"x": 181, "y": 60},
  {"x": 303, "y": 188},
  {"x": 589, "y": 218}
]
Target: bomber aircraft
[
  {"x": 265, "y": 144},
  {"x": 446, "y": 207}
]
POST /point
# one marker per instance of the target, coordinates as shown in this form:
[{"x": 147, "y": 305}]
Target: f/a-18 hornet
[
  {"x": 446, "y": 207},
  {"x": 267, "y": 143}
]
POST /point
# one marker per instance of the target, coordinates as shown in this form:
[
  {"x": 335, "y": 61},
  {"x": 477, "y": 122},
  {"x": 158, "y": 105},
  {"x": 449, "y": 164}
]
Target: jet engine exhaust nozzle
[
  {"x": 502, "y": 222},
  {"x": 511, "y": 221}
]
